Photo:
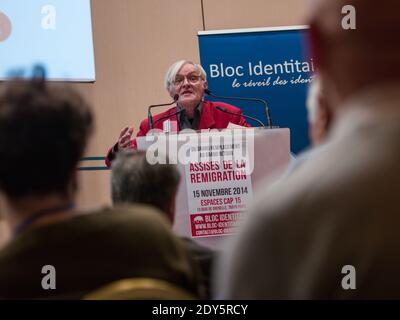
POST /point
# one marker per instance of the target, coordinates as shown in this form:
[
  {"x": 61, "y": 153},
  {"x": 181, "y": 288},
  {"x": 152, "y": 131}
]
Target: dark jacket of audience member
[{"x": 92, "y": 250}]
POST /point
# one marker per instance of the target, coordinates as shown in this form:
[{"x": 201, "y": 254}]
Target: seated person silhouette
[
  {"x": 55, "y": 250},
  {"x": 135, "y": 180}
]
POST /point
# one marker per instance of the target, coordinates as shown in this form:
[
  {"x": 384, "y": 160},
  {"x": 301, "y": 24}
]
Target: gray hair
[
  {"x": 174, "y": 69},
  {"x": 134, "y": 180},
  {"x": 312, "y": 103}
]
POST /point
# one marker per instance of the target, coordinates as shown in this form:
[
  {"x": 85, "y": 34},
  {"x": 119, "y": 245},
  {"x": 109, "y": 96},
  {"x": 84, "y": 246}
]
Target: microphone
[
  {"x": 170, "y": 115},
  {"x": 267, "y": 112},
  {"x": 240, "y": 115},
  {"x": 150, "y": 117}
]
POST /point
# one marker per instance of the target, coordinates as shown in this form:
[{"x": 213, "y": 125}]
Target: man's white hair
[
  {"x": 174, "y": 69},
  {"x": 312, "y": 103}
]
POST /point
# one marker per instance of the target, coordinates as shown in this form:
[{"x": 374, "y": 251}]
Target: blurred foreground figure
[
  {"x": 330, "y": 229},
  {"x": 56, "y": 252},
  {"x": 319, "y": 113}
]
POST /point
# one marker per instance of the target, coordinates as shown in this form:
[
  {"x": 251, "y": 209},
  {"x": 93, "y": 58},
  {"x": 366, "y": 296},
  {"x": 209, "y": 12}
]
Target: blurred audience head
[
  {"x": 352, "y": 60},
  {"x": 319, "y": 113},
  {"x": 135, "y": 180},
  {"x": 43, "y": 133}
]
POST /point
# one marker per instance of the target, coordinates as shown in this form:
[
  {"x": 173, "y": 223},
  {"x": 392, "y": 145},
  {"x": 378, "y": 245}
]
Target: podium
[{"x": 219, "y": 171}]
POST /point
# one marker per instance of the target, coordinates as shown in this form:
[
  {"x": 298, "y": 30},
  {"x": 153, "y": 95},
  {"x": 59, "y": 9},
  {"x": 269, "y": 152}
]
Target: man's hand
[{"x": 124, "y": 140}]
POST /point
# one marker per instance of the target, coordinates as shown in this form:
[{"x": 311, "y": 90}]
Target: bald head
[{"x": 353, "y": 59}]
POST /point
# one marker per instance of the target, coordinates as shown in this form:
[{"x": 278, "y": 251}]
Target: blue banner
[
  {"x": 262, "y": 63},
  {"x": 56, "y": 34}
]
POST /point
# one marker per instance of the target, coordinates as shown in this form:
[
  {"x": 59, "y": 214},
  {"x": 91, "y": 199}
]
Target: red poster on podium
[{"x": 219, "y": 190}]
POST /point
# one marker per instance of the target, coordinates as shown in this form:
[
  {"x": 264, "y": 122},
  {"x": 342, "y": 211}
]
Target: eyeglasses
[{"x": 192, "y": 79}]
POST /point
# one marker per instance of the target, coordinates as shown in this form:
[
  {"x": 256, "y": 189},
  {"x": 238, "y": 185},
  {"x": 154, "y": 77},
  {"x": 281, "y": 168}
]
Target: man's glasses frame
[{"x": 191, "y": 78}]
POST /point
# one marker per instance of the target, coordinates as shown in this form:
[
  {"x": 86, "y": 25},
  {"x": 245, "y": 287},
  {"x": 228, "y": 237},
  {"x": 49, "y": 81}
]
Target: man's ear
[
  {"x": 316, "y": 48},
  {"x": 172, "y": 93},
  {"x": 326, "y": 113},
  {"x": 205, "y": 84},
  {"x": 171, "y": 209},
  {"x": 2, "y": 205},
  {"x": 73, "y": 183}
]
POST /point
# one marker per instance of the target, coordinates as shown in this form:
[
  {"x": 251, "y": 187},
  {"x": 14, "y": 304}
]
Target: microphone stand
[
  {"x": 240, "y": 115},
  {"x": 267, "y": 112},
  {"x": 150, "y": 117},
  {"x": 170, "y": 115}
]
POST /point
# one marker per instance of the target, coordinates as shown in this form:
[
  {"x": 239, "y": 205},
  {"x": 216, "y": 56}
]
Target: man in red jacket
[{"x": 187, "y": 81}]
